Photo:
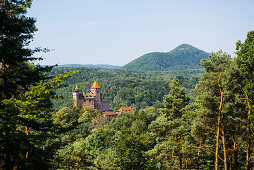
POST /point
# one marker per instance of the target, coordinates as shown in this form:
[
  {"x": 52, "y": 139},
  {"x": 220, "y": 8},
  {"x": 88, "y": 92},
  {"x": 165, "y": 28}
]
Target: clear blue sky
[{"x": 118, "y": 31}]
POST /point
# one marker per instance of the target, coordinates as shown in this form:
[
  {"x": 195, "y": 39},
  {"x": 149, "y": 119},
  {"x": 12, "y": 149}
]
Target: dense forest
[
  {"x": 124, "y": 88},
  {"x": 195, "y": 119},
  {"x": 181, "y": 58}
]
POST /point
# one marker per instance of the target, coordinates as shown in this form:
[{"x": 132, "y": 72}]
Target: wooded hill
[
  {"x": 123, "y": 87},
  {"x": 181, "y": 58}
]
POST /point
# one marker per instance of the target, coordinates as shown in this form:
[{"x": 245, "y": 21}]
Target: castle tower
[
  {"x": 96, "y": 91},
  {"x": 76, "y": 102}
]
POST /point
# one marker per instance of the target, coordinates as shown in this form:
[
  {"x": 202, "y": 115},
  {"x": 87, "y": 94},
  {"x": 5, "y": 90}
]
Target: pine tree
[
  {"x": 16, "y": 32},
  {"x": 245, "y": 61},
  {"x": 219, "y": 124},
  {"x": 168, "y": 129},
  {"x": 24, "y": 92}
]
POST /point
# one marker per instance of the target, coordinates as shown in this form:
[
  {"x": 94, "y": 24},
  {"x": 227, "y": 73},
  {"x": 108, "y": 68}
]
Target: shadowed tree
[{"x": 25, "y": 91}]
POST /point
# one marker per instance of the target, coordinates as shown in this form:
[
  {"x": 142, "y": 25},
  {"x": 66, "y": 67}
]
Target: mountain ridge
[{"x": 182, "y": 57}]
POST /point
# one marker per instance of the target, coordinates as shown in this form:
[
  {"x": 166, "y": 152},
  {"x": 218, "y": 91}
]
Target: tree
[
  {"x": 30, "y": 126},
  {"x": 245, "y": 61},
  {"x": 218, "y": 127},
  {"x": 175, "y": 101},
  {"x": 66, "y": 116},
  {"x": 24, "y": 92},
  {"x": 75, "y": 126},
  {"x": 16, "y": 33},
  {"x": 74, "y": 156},
  {"x": 168, "y": 130},
  {"x": 130, "y": 151}
]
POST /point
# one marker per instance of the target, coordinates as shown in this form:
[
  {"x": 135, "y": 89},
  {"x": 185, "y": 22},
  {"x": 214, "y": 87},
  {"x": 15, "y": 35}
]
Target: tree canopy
[{"x": 195, "y": 119}]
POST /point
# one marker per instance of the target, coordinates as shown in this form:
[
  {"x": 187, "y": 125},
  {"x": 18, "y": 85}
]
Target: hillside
[
  {"x": 181, "y": 58},
  {"x": 124, "y": 88}
]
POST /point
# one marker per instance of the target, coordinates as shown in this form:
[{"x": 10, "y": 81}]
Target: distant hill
[
  {"x": 181, "y": 58},
  {"x": 106, "y": 66}
]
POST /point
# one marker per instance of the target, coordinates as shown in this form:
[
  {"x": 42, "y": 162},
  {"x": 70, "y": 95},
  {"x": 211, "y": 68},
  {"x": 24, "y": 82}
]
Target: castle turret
[
  {"x": 76, "y": 102},
  {"x": 96, "y": 91},
  {"x": 76, "y": 89}
]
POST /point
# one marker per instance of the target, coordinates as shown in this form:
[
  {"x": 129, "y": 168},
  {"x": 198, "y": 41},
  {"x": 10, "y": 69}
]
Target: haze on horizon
[{"x": 118, "y": 31}]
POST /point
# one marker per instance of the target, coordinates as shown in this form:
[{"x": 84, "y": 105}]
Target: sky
[{"x": 118, "y": 31}]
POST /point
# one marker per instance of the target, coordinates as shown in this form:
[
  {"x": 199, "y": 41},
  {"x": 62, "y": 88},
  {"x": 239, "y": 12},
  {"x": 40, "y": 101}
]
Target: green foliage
[
  {"x": 30, "y": 110},
  {"x": 75, "y": 127},
  {"x": 104, "y": 146},
  {"x": 107, "y": 159},
  {"x": 74, "y": 155},
  {"x": 181, "y": 58},
  {"x": 123, "y": 123},
  {"x": 88, "y": 114},
  {"x": 245, "y": 55},
  {"x": 16, "y": 32},
  {"x": 24, "y": 96},
  {"x": 124, "y": 88},
  {"x": 131, "y": 152},
  {"x": 219, "y": 98},
  {"x": 165, "y": 132},
  {"x": 170, "y": 130},
  {"x": 245, "y": 61},
  {"x": 66, "y": 116},
  {"x": 175, "y": 101}
]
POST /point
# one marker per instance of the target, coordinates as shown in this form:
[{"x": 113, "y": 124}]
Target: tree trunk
[
  {"x": 199, "y": 153},
  {"x": 180, "y": 163},
  {"x": 217, "y": 143},
  {"x": 218, "y": 125},
  {"x": 235, "y": 154},
  {"x": 248, "y": 151},
  {"x": 3, "y": 69},
  {"x": 218, "y": 133},
  {"x": 7, "y": 145},
  {"x": 223, "y": 134},
  {"x": 184, "y": 162},
  {"x": 248, "y": 146},
  {"x": 224, "y": 145},
  {"x": 26, "y": 129}
]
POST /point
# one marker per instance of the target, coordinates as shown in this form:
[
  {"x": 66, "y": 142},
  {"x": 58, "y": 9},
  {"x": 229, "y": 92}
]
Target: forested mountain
[
  {"x": 124, "y": 88},
  {"x": 181, "y": 58}
]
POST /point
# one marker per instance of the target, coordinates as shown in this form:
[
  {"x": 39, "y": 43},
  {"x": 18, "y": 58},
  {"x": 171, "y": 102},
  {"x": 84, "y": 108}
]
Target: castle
[{"x": 93, "y": 99}]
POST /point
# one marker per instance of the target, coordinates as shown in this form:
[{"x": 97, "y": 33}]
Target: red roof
[{"x": 126, "y": 109}]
